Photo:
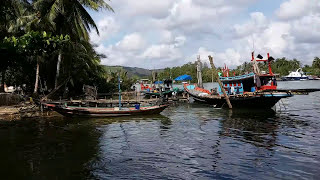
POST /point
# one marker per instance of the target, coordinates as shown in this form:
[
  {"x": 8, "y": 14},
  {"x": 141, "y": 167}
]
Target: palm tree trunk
[
  {"x": 58, "y": 69},
  {"x": 37, "y": 78},
  {"x": 2, "y": 81}
]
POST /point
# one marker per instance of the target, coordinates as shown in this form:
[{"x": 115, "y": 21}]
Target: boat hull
[
  {"x": 157, "y": 94},
  {"x": 241, "y": 102},
  {"x": 294, "y": 78},
  {"x": 107, "y": 112},
  {"x": 266, "y": 100}
]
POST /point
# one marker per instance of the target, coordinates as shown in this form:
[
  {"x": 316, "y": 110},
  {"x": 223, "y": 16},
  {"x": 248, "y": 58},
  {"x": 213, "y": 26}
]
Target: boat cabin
[
  {"x": 145, "y": 84},
  {"x": 252, "y": 82}
]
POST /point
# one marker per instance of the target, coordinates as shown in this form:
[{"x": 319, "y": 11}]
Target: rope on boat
[
  {"x": 285, "y": 108},
  {"x": 223, "y": 105},
  {"x": 281, "y": 102}
]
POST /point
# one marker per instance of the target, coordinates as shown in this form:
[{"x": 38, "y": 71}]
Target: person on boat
[
  {"x": 229, "y": 90},
  {"x": 232, "y": 90},
  {"x": 214, "y": 91},
  {"x": 237, "y": 90},
  {"x": 211, "y": 91},
  {"x": 269, "y": 82},
  {"x": 274, "y": 81},
  {"x": 174, "y": 94}
]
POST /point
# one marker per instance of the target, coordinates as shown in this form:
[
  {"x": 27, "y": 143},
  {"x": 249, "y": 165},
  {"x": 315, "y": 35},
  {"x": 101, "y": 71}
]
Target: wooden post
[
  {"x": 35, "y": 91},
  {"x": 220, "y": 83},
  {"x": 199, "y": 74},
  {"x": 212, "y": 76}
]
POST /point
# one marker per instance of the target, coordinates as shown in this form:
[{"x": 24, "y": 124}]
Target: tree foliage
[
  {"x": 37, "y": 32},
  {"x": 281, "y": 66}
]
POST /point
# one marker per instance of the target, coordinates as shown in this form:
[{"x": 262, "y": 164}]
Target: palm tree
[
  {"x": 316, "y": 65},
  {"x": 10, "y": 10},
  {"x": 316, "y": 62},
  {"x": 64, "y": 17},
  {"x": 70, "y": 17}
]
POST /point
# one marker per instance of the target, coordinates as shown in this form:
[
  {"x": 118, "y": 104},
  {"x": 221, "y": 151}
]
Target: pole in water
[
  {"x": 220, "y": 83},
  {"x": 119, "y": 81}
]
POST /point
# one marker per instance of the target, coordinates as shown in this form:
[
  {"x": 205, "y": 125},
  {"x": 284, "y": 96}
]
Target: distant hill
[{"x": 132, "y": 71}]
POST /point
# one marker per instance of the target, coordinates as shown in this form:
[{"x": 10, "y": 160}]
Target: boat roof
[
  {"x": 237, "y": 78},
  {"x": 243, "y": 77}
]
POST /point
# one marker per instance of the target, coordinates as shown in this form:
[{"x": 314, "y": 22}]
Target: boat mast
[{"x": 256, "y": 69}]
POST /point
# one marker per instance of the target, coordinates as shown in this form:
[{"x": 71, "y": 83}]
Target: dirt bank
[
  {"x": 9, "y": 99},
  {"x": 23, "y": 110}
]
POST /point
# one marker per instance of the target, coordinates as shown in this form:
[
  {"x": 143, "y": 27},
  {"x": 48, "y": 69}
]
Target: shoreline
[{"x": 21, "y": 111}]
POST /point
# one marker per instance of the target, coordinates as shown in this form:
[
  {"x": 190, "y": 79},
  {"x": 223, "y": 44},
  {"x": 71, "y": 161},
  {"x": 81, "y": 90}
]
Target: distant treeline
[{"x": 281, "y": 66}]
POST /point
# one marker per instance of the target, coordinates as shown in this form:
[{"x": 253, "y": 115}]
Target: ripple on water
[{"x": 188, "y": 141}]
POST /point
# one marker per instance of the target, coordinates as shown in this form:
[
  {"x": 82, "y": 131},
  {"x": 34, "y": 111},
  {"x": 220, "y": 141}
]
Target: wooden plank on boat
[
  {"x": 219, "y": 81},
  {"x": 294, "y": 91}
]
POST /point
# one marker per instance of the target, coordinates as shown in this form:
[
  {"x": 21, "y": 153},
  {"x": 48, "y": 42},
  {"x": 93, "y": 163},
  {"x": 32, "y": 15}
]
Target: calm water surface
[{"x": 187, "y": 141}]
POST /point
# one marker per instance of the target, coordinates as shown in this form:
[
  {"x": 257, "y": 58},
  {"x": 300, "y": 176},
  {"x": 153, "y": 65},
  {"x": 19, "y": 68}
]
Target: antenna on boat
[{"x": 253, "y": 48}]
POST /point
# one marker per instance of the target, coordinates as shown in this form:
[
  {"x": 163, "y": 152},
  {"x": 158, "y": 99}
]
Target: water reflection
[
  {"x": 188, "y": 141},
  {"x": 47, "y": 149},
  {"x": 255, "y": 127}
]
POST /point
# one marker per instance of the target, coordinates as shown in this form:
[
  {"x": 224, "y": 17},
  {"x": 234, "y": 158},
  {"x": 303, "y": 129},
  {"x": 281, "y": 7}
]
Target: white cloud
[
  {"x": 179, "y": 41},
  {"x": 190, "y": 16},
  {"x": 107, "y": 27},
  {"x": 273, "y": 39},
  {"x": 132, "y": 51},
  {"x": 257, "y": 23},
  {"x": 307, "y": 29},
  {"x": 296, "y": 38},
  {"x": 166, "y": 36},
  {"x": 230, "y": 57},
  {"x": 123, "y": 52},
  {"x": 293, "y": 9},
  {"x": 156, "y": 9},
  {"x": 262, "y": 36},
  {"x": 172, "y": 32},
  {"x": 131, "y": 42},
  {"x": 165, "y": 52},
  {"x": 162, "y": 51}
]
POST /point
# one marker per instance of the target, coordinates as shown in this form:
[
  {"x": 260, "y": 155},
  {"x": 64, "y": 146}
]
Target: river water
[{"x": 187, "y": 141}]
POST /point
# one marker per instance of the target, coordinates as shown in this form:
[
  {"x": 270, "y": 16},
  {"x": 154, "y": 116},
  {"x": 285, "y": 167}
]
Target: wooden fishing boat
[
  {"x": 106, "y": 109},
  {"x": 246, "y": 100},
  {"x": 167, "y": 92},
  {"x": 157, "y": 93},
  {"x": 254, "y": 90},
  {"x": 76, "y": 111}
]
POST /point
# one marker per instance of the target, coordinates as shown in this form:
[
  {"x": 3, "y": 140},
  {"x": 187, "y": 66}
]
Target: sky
[{"x": 154, "y": 34}]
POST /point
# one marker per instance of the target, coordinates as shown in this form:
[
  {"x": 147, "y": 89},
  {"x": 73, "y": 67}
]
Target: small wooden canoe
[{"x": 74, "y": 111}]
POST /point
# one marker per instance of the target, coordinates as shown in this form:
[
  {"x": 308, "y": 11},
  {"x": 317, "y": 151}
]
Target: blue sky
[{"x": 166, "y": 33}]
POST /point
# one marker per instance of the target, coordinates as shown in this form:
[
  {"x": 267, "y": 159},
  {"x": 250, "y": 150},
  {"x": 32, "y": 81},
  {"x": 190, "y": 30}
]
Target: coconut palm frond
[{"x": 86, "y": 18}]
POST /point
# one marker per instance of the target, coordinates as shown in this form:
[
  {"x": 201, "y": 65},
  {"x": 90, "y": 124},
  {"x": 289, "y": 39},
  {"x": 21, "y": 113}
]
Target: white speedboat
[{"x": 297, "y": 75}]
